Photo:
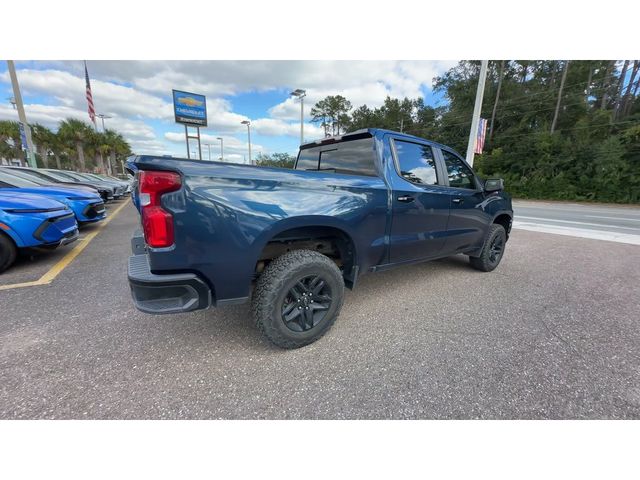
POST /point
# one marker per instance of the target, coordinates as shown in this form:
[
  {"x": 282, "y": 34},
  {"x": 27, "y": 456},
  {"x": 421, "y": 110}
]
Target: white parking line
[
  {"x": 578, "y": 232},
  {"x": 544, "y": 220}
]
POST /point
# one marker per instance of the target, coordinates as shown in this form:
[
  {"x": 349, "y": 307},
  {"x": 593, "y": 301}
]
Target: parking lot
[{"x": 554, "y": 332}]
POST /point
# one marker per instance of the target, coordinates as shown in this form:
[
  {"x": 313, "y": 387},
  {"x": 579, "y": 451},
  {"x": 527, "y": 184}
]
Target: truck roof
[{"x": 374, "y": 132}]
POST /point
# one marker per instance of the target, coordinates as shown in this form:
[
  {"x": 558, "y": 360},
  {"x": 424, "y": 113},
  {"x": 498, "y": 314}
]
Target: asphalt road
[
  {"x": 554, "y": 332},
  {"x": 605, "y": 222}
]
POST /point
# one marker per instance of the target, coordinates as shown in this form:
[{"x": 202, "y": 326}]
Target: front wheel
[
  {"x": 298, "y": 298},
  {"x": 8, "y": 252},
  {"x": 492, "y": 250}
]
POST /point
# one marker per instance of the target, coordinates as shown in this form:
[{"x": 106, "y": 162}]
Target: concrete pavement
[{"x": 552, "y": 333}]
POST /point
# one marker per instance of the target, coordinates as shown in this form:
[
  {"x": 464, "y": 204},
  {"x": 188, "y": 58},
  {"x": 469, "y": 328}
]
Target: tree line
[
  {"x": 75, "y": 146},
  {"x": 566, "y": 130}
]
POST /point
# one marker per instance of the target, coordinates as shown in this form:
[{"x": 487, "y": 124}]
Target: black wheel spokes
[
  {"x": 496, "y": 249},
  {"x": 305, "y": 303}
]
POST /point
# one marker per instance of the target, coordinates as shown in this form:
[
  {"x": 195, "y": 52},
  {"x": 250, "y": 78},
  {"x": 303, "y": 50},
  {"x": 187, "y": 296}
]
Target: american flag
[
  {"x": 92, "y": 110},
  {"x": 482, "y": 135}
]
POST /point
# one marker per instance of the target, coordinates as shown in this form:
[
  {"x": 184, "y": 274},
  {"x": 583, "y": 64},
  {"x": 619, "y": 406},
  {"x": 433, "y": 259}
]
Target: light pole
[
  {"x": 221, "y": 148},
  {"x": 17, "y": 96},
  {"x": 208, "y": 145},
  {"x": 248, "y": 124},
  {"x": 102, "y": 117},
  {"x": 298, "y": 92}
]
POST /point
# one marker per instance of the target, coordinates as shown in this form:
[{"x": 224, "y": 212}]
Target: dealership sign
[{"x": 190, "y": 108}]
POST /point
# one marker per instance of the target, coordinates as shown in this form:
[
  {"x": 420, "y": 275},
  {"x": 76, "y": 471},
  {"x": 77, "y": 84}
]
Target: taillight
[{"x": 157, "y": 223}]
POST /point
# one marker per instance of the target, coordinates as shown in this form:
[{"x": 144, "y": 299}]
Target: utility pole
[
  {"x": 475, "y": 120},
  {"x": 495, "y": 104},
  {"x": 31, "y": 159},
  {"x": 555, "y": 114}
]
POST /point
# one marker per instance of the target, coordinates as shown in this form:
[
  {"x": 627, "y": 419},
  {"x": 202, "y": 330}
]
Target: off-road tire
[
  {"x": 274, "y": 285},
  {"x": 486, "y": 262},
  {"x": 8, "y": 252}
]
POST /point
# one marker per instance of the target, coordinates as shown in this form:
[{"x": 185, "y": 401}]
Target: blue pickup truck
[{"x": 213, "y": 233}]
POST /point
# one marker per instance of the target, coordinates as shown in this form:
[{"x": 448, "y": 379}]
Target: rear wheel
[
  {"x": 8, "y": 252},
  {"x": 492, "y": 251},
  {"x": 298, "y": 298}
]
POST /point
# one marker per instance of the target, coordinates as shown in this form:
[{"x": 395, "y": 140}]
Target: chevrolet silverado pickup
[{"x": 216, "y": 233}]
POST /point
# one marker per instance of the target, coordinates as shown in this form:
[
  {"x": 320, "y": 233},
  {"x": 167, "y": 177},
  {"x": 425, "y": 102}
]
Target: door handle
[
  {"x": 457, "y": 200},
  {"x": 405, "y": 198}
]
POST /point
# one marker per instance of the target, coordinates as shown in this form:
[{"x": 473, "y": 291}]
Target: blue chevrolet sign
[{"x": 190, "y": 108}]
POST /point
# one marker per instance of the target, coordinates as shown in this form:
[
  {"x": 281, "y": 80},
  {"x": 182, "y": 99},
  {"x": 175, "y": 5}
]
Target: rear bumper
[{"x": 166, "y": 293}]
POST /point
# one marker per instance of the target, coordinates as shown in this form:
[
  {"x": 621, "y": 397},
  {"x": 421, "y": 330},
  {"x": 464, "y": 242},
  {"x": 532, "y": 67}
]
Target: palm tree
[
  {"x": 118, "y": 147},
  {"x": 98, "y": 143},
  {"x": 44, "y": 139},
  {"x": 58, "y": 148},
  {"x": 77, "y": 133},
  {"x": 10, "y": 140},
  {"x": 112, "y": 139},
  {"x": 123, "y": 150}
]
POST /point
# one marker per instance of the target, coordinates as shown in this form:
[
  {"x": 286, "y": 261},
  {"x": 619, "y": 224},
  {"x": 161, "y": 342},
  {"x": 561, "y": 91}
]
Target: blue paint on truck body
[{"x": 224, "y": 215}]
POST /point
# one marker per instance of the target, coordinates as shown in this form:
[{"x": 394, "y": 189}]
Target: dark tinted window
[
  {"x": 14, "y": 181},
  {"x": 308, "y": 159},
  {"x": 416, "y": 163},
  {"x": 460, "y": 175},
  {"x": 351, "y": 157}
]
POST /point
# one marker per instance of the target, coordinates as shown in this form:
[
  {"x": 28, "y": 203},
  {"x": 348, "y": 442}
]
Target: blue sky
[{"x": 137, "y": 95}]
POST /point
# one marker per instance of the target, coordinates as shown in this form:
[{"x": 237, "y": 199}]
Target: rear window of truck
[{"x": 350, "y": 157}]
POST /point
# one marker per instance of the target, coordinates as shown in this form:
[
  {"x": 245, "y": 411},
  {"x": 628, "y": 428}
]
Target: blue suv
[
  {"x": 86, "y": 205},
  {"x": 28, "y": 221}
]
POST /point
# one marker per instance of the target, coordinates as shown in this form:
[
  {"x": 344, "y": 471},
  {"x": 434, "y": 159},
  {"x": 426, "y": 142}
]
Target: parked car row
[{"x": 43, "y": 208}]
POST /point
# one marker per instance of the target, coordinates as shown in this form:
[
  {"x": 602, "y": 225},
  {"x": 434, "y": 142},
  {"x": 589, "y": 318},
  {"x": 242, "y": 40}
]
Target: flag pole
[{"x": 473, "y": 134}]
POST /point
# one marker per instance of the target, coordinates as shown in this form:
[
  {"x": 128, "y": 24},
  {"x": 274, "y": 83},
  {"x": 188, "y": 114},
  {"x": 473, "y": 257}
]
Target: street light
[
  {"x": 298, "y": 92},
  {"x": 248, "y": 124},
  {"x": 221, "y": 148},
  {"x": 208, "y": 145},
  {"x": 12, "y": 101},
  {"x": 102, "y": 117}
]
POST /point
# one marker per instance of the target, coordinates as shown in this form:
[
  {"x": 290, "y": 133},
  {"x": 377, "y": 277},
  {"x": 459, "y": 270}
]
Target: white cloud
[
  {"x": 234, "y": 149},
  {"x": 137, "y": 94},
  {"x": 362, "y": 83},
  {"x": 277, "y": 127},
  {"x": 365, "y": 80},
  {"x": 108, "y": 97}
]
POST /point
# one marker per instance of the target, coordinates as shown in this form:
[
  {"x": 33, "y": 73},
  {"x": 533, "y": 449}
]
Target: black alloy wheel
[
  {"x": 306, "y": 303},
  {"x": 496, "y": 249}
]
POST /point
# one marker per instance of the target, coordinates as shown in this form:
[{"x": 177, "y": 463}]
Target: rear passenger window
[
  {"x": 416, "y": 163},
  {"x": 460, "y": 176},
  {"x": 350, "y": 157},
  {"x": 307, "y": 159}
]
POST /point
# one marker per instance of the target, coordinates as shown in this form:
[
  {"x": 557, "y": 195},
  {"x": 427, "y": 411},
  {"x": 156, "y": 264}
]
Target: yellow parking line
[{"x": 64, "y": 262}]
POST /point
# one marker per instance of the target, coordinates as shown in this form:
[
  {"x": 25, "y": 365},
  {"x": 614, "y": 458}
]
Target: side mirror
[{"x": 493, "y": 185}]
